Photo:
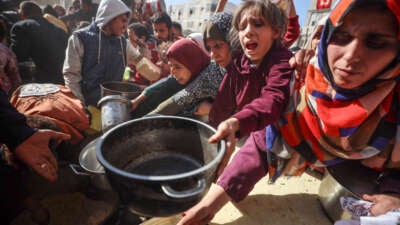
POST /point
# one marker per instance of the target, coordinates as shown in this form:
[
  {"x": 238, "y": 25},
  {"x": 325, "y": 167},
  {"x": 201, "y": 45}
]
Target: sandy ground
[{"x": 292, "y": 201}]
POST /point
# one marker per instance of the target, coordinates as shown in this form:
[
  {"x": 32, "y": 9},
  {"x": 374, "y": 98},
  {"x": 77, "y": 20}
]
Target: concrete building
[
  {"x": 313, "y": 16},
  {"x": 193, "y": 14}
]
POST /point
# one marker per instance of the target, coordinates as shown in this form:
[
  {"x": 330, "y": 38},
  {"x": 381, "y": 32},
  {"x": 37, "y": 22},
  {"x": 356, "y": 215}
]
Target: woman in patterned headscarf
[
  {"x": 216, "y": 38},
  {"x": 348, "y": 109}
]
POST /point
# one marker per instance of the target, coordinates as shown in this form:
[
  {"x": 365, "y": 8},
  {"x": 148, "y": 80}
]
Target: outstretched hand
[
  {"x": 383, "y": 203},
  {"x": 203, "y": 212},
  {"x": 36, "y": 154},
  {"x": 226, "y": 130}
]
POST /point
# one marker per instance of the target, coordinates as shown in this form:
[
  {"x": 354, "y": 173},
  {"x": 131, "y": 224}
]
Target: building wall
[
  {"x": 193, "y": 15},
  {"x": 313, "y": 16}
]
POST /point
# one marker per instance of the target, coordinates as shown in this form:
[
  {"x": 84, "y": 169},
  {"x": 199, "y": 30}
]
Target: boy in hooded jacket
[{"x": 99, "y": 52}]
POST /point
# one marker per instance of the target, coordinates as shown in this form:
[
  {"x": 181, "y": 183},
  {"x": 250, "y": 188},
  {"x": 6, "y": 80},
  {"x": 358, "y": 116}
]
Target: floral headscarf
[{"x": 218, "y": 26}]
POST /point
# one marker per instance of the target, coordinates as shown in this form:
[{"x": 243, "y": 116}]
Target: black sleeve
[{"x": 13, "y": 127}]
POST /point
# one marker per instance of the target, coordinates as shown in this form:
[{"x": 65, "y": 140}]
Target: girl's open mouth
[{"x": 251, "y": 46}]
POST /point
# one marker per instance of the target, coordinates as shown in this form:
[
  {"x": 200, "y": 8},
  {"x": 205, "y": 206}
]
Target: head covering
[
  {"x": 198, "y": 38},
  {"x": 108, "y": 10},
  {"x": 330, "y": 125},
  {"x": 336, "y": 18},
  {"x": 320, "y": 25},
  {"x": 190, "y": 54},
  {"x": 218, "y": 26}
]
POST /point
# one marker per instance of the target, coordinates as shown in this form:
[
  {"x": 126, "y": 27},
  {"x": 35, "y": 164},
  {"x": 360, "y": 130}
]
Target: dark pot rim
[{"x": 108, "y": 166}]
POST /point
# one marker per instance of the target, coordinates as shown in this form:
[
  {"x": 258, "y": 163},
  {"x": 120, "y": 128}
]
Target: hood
[{"x": 108, "y": 10}]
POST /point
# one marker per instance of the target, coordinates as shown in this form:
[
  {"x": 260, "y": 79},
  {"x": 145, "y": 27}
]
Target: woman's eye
[
  {"x": 341, "y": 38},
  {"x": 375, "y": 42}
]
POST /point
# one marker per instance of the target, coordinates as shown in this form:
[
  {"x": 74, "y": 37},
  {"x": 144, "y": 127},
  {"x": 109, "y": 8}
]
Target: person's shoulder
[
  {"x": 25, "y": 26},
  {"x": 25, "y": 23},
  {"x": 279, "y": 53},
  {"x": 88, "y": 30}
]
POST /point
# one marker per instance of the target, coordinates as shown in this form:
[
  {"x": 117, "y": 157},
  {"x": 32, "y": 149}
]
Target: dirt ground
[{"x": 292, "y": 201}]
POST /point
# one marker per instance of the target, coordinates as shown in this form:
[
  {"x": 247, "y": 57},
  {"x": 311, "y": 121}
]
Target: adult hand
[
  {"x": 204, "y": 211},
  {"x": 226, "y": 130},
  {"x": 300, "y": 62},
  {"x": 36, "y": 154},
  {"x": 383, "y": 203}
]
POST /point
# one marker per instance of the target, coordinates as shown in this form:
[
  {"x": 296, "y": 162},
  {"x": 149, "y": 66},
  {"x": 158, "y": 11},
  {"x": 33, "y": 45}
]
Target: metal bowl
[
  {"x": 162, "y": 165},
  {"x": 349, "y": 178},
  {"x": 90, "y": 166}
]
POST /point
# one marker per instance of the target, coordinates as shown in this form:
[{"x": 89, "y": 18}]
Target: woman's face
[
  {"x": 179, "y": 71},
  {"x": 219, "y": 51},
  {"x": 256, "y": 36},
  {"x": 358, "y": 51}
]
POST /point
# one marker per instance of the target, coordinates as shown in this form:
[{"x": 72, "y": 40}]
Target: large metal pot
[
  {"x": 125, "y": 89},
  {"x": 349, "y": 178},
  {"x": 161, "y": 165}
]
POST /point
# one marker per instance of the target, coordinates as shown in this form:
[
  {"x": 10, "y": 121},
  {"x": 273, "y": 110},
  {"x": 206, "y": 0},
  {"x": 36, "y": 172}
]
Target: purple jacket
[{"x": 255, "y": 96}]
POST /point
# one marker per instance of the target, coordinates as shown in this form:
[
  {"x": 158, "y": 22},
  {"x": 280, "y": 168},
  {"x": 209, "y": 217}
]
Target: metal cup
[{"x": 114, "y": 110}]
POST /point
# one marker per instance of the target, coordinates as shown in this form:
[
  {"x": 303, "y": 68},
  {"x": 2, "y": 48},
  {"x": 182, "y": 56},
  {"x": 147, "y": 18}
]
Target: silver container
[
  {"x": 90, "y": 166},
  {"x": 125, "y": 89},
  {"x": 349, "y": 178},
  {"x": 115, "y": 109}
]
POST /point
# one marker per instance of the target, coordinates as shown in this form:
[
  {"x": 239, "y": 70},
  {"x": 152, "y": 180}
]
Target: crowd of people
[{"x": 336, "y": 99}]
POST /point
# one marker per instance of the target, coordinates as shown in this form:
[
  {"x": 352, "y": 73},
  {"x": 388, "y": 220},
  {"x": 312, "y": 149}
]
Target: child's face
[
  {"x": 180, "y": 72},
  {"x": 175, "y": 32},
  {"x": 118, "y": 25},
  {"x": 256, "y": 36},
  {"x": 132, "y": 37}
]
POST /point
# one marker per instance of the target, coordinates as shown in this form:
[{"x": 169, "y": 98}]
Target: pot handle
[
  {"x": 78, "y": 170},
  {"x": 170, "y": 192}
]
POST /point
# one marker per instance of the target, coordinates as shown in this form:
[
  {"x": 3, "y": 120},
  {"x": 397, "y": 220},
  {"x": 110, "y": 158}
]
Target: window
[
  {"x": 191, "y": 11},
  {"x": 213, "y": 7}
]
